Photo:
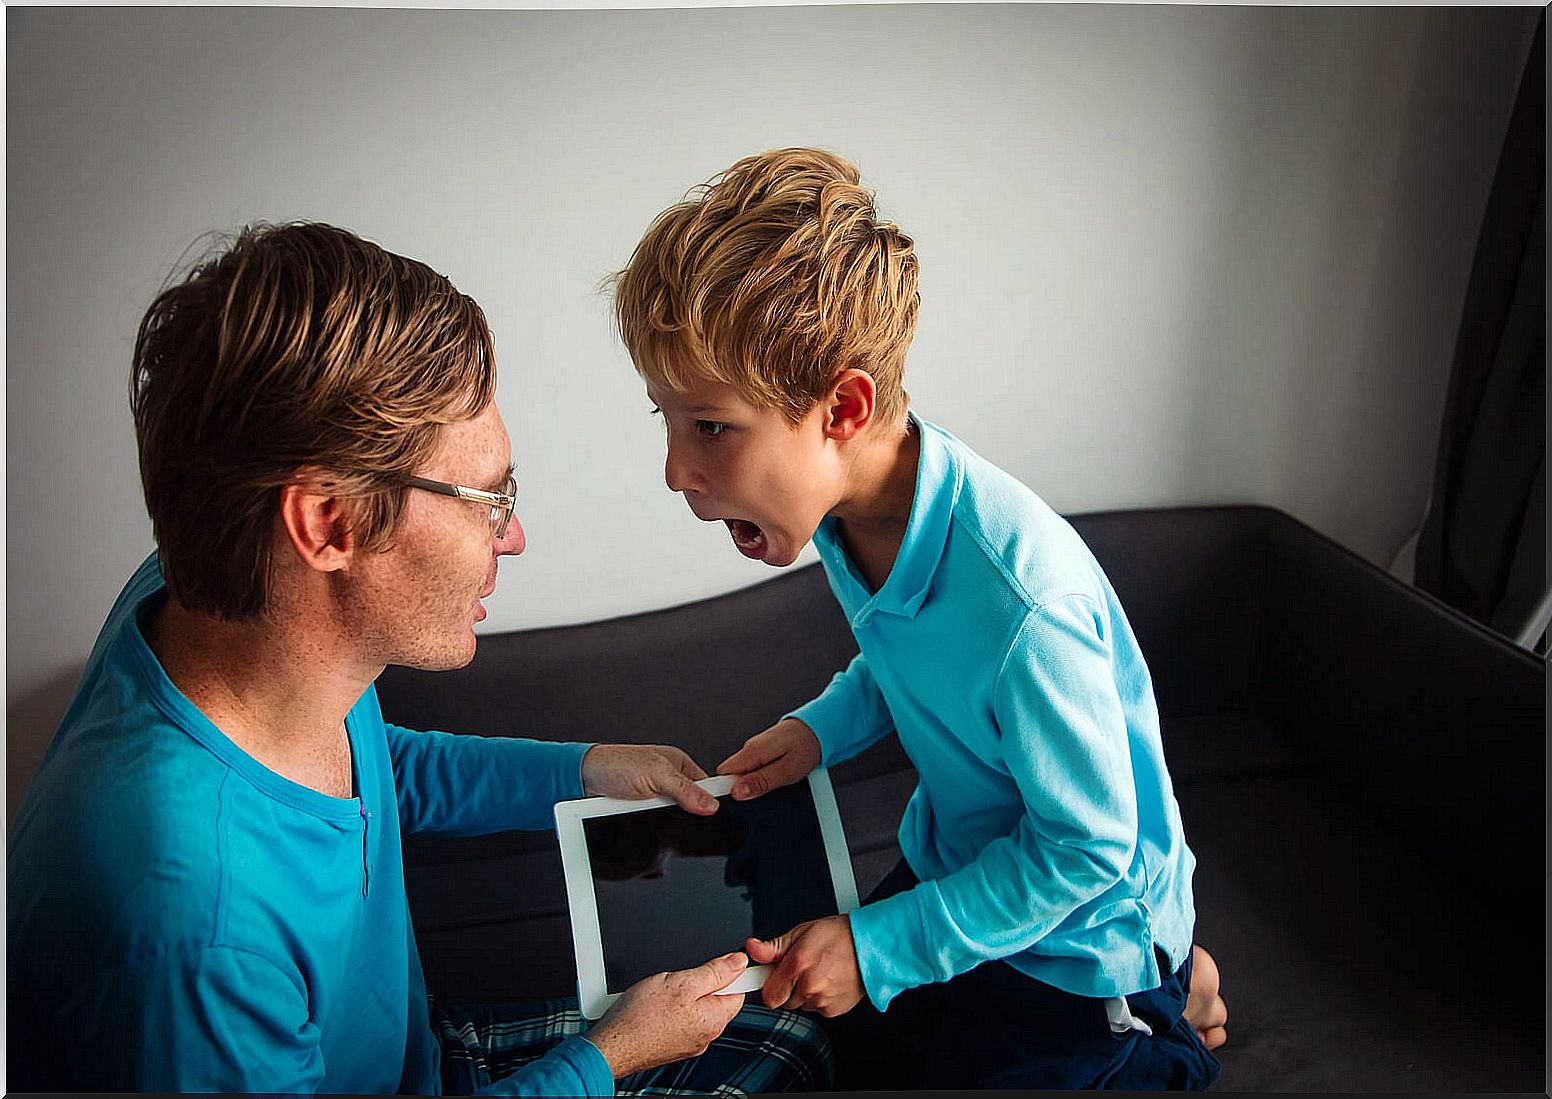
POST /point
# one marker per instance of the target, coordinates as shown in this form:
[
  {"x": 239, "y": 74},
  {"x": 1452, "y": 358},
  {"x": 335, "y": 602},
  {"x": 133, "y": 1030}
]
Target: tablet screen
[{"x": 674, "y": 889}]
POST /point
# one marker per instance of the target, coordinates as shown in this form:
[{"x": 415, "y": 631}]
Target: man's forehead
[{"x": 478, "y": 449}]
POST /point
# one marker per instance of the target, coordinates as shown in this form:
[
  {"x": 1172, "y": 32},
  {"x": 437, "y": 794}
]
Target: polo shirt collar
[{"x": 938, "y": 478}]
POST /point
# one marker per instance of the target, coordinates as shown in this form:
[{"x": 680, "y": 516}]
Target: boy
[{"x": 1038, "y": 932}]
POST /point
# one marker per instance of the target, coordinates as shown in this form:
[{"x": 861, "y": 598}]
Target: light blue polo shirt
[
  {"x": 182, "y": 918},
  {"x": 1044, "y": 828}
]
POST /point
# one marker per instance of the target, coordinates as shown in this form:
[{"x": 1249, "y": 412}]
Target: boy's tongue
[{"x": 748, "y": 537}]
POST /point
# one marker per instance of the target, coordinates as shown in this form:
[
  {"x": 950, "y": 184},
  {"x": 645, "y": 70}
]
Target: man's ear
[
  {"x": 851, "y": 403},
  {"x": 317, "y": 521}
]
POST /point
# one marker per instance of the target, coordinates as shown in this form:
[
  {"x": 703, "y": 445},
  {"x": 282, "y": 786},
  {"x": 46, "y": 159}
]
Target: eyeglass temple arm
[{"x": 479, "y": 496}]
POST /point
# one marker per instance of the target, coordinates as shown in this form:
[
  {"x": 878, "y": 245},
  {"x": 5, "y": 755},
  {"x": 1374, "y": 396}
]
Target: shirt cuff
[
  {"x": 894, "y": 949},
  {"x": 575, "y": 774},
  {"x": 828, "y": 715},
  {"x": 589, "y": 1063}
]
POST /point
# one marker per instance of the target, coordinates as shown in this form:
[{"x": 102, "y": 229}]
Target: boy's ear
[
  {"x": 851, "y": 404},
  {"x": 317, "y": 521}
]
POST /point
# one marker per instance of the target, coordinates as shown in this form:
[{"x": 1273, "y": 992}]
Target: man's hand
[
  {"x": 668, "y": 1017},
  {"x": 638, "y": 771},
  {"x": 780, "y": 756},
  {"x": 816, "y": 967}
]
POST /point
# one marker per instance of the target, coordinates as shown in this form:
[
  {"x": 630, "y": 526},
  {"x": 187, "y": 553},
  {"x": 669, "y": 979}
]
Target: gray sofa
[{"x": 1360, "y": 770}]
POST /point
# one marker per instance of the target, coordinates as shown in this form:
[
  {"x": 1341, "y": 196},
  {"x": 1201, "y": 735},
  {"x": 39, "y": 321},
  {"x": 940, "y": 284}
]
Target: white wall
[{"x": 1170, "y": 255}]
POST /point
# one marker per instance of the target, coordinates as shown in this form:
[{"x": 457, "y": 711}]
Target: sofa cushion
[{"x": 1348, "y": 961}]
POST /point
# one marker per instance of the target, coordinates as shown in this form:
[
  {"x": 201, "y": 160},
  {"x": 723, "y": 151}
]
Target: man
[{"x": 205, "y": 881}]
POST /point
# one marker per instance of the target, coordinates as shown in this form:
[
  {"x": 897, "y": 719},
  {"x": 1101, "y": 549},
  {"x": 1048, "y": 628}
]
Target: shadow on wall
[
  {"x": 1394, "y": 236},
  {"x": 30, "y": 724}
]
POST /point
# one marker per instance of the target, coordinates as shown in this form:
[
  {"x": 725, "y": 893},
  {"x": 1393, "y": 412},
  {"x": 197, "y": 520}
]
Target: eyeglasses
[{"x": 500, "y": 503}]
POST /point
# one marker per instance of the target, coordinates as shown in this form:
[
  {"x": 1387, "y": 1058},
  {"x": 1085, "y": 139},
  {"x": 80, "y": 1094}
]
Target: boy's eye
[{"x": 710, "y": 428}]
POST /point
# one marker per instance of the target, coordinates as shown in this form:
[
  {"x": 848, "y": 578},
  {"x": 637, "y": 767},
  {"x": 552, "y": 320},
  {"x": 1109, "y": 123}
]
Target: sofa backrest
[
  {"x": 707, "y": 675},
  {"x": 1430, "y": 722}
]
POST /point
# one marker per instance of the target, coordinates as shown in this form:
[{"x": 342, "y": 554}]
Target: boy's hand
[
  {"x": 645, "y": 771},
  {"x": 668, "y": 1017},
  {"x": 780, "y": 756},
  {"x": 817, "y": 968}
]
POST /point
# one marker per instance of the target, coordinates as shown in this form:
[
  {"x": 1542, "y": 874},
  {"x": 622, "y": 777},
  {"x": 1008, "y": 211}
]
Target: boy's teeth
[{"x": 744, "y": 532}]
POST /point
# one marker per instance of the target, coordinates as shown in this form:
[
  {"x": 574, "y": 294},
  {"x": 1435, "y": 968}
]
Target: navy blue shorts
[{"x": 995, "y": 1027}]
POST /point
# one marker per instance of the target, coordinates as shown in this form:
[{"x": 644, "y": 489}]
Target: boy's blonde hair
[{"x": 773, "y": 277}]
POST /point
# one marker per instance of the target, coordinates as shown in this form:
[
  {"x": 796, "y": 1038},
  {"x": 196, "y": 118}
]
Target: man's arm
[
  {"x": 575, "y": 1067},
  {"x": 472, "y": 785},
  {"x": 202, "y": 1019},
  {"x": 218, "y": 1019}
]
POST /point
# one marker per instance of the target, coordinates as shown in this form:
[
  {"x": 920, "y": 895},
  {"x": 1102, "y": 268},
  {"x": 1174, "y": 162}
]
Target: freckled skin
[{"x": 416, "y": 605}]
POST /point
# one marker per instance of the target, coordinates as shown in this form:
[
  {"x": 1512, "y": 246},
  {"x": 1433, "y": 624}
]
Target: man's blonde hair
[{"x": 773, "y": 278}]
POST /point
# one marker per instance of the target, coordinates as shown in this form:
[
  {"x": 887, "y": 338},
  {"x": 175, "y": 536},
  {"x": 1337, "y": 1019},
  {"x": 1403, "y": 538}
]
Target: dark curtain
[{"x": 1482, "y": 547}]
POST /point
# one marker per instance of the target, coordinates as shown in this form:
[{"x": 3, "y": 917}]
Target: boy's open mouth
[{"x": 747, "y": 536}]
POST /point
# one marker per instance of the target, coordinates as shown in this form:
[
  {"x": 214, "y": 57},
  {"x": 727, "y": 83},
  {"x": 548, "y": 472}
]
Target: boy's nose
[{"x": 677, "y": 472}]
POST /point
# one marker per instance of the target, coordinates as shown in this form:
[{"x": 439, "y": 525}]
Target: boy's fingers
[
  {"x": 768, "y": 953},
  {"x": 778, "y": 987},
  {"x": 755, "y": 754},
  {"x": 759, "y": 783}
]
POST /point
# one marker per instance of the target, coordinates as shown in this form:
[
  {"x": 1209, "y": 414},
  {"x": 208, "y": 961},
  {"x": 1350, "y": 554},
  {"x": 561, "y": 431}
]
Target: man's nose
[{"x": 514, "y": 541}]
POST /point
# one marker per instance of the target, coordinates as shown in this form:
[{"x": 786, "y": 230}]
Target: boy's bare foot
[{"x": 1205, "y": 1009}]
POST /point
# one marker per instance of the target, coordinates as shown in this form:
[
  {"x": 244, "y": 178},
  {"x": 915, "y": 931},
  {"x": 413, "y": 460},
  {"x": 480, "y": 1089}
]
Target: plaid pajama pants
[{"x": 762, "y": 1050}]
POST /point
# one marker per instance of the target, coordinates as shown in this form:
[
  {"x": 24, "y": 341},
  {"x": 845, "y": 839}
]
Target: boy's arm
[
  {"x": 849, "y": 715},
  {"x": 1065, "y": 743}
]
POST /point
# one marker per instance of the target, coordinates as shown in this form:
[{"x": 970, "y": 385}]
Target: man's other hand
[
  {"x": 780, "y": 756},
  {"x": 637, "y": 771},
  {"x": 669, "y": 1017}
]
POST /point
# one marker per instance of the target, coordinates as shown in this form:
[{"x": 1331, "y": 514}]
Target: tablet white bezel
[{"x": 592, "y": 985}]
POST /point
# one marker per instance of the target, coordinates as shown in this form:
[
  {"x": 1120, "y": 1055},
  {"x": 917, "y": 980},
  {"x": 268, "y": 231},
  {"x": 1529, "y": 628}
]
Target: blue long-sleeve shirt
[
  {"x": 182, "y": 918},
  {"x": 1044, "y": 828}
]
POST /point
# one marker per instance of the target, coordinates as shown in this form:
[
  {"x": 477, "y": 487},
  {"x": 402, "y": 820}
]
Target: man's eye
[{"x": 710, "y": 428}]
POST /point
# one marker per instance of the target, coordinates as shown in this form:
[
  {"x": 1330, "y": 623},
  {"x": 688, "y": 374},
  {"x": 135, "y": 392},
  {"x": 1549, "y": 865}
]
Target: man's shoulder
[{"x": 128, "y": 806}]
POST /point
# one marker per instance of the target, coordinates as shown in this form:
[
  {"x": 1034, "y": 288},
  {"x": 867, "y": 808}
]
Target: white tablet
[{"x": 654, "y": 888}]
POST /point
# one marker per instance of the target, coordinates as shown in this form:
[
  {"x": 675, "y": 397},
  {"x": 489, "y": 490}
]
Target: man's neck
[
  {"x": 279, "y": 695},
  {"x": 877, "y": 508}
]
